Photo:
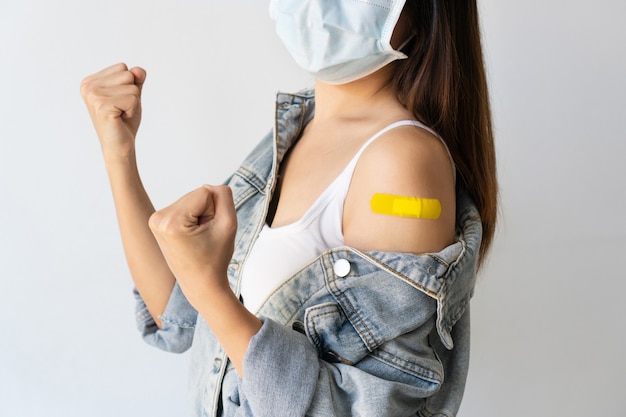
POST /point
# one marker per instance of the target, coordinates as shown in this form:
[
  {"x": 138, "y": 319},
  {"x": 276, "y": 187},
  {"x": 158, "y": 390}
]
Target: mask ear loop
[{"x": 405, "y": 43}]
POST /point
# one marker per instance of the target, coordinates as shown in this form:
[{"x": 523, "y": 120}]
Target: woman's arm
[
  {"x": 196, "y": 235},
  {"x": 148, "y": 268},
  {"x": 408, "y": 162},
  {"x": 113, "y": 98}
]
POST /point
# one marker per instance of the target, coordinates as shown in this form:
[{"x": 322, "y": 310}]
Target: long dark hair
[{"x": 443, "y": 83}]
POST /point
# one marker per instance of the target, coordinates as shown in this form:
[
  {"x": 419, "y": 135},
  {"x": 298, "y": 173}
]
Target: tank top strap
[{"x": 349, "y": 169}]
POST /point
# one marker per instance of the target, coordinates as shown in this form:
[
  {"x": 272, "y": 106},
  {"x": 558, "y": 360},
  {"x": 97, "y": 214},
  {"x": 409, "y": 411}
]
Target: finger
[
  {"x": 140, "y": 76},
  {"x": 117, "y": 90},
  {"x": 106, "y": 72},
  {"x": 113, "y": 68},
  {"x": 121, "y": 99},
  {"x": 124, "y": 106},
  {"x": 184, "y": 214},
  {"x": 206, "y": 213},
  {"x": 131, "y": 107},
  {"x": 110, "y": 70},
  {"x": 89, "y": 86},
  {"x": 115, "y": 78},
  {"x": 194, "y": 208},
  {"x": 224, "y": 205}
]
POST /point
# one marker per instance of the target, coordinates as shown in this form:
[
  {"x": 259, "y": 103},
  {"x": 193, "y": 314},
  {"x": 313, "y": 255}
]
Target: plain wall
[{"x": 548, "y": 331}]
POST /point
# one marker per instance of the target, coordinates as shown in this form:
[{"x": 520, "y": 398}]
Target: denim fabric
[{"x": 388, "y": 336}]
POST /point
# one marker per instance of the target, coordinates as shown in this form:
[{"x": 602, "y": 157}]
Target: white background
[{"x": 548, "y": 331}]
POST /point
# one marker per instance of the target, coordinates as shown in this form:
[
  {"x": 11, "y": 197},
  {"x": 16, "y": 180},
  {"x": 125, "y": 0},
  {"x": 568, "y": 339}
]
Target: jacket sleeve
[
  {"x": 375, "y": 342},
  {"x": 336, "y": 345},
  {"x": 178, "y": 323},
  {"x": 285, "y": 376}
]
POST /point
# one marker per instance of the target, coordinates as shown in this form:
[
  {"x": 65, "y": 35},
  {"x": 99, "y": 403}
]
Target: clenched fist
[
  {"x": 196, "y": 235},
  {"x": 113, "y": 98}
]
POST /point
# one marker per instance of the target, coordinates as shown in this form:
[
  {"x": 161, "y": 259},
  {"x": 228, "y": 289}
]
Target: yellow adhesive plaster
[{"x": 395, "y": 205}]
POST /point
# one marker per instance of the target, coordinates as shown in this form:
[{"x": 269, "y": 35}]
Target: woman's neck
[{"x": 354, "y": 100}]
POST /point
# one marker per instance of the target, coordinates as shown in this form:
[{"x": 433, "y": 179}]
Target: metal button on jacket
[{"x": 341, "y": 268}]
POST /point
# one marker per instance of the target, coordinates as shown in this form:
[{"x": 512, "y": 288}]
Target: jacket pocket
[
  {"x": 333, "y": 335},
  {"x": 408, "y": 358}
]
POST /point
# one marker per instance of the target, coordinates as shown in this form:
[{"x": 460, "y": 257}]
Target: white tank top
[{"x": 280, "y": 252}]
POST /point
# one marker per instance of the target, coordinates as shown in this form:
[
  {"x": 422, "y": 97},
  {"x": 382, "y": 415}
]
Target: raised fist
[{"x": 113, "y": 98}]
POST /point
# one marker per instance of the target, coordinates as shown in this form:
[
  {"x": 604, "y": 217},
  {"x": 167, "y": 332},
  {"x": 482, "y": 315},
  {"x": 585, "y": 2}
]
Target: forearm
[
  {"x": 196, "y": 235},
  {"x": 233, "y": 325},
  {"x": 146, "y": 263},
  {"x": 113, "y": 99}
]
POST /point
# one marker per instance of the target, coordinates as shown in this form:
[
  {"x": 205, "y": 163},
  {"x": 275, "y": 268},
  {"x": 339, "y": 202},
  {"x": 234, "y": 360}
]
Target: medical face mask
[{"x": 338, "y": 41}]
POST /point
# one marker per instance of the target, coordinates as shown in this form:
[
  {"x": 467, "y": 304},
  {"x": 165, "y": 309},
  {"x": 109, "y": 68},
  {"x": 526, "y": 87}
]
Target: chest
[{"x": 310, "y": 166}]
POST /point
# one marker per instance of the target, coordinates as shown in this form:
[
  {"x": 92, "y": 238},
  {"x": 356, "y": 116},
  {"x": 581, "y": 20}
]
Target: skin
[
  {"x": 113, "y": 98},
  {"x": 192, "y": 240}
]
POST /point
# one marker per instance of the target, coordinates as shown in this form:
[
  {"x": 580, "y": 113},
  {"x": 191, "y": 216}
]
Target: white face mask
[{"x": 338, "y": 41}]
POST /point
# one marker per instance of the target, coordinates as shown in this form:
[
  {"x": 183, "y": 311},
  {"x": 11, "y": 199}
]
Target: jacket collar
[{"x": 293, "y": 112}]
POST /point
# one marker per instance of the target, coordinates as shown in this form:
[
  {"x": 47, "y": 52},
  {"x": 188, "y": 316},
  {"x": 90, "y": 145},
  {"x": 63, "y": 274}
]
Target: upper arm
[{"x": 406, "y": 161}]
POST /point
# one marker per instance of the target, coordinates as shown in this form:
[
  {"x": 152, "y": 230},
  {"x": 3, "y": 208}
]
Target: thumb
[
  {"x": 197, "y": 207},
  {"x": 224, "y": 205},
  {"x": 140, "y": 76}
]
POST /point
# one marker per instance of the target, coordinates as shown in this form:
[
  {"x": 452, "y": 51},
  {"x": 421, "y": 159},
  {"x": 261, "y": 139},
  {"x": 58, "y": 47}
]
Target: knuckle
[
  {"x": 99, "y": 104},
  {"x": 154, "y": 221},
  {"x": 93, "y": 97},
  {"x": 85, "y": 88},
  {"x": 127, "y": 77},
  {"x": 162, "y": 224},
  {"x": 133, "y": 101}
]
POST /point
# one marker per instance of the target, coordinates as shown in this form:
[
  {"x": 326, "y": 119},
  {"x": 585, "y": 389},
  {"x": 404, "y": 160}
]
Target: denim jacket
[{"x": 385, "y": 334}]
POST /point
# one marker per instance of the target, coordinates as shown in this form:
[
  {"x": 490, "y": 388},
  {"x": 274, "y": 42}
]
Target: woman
[{"x": 300, "y": 287}]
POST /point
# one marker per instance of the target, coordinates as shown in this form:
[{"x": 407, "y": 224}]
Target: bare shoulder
[{"x": 410, "y": 162}]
